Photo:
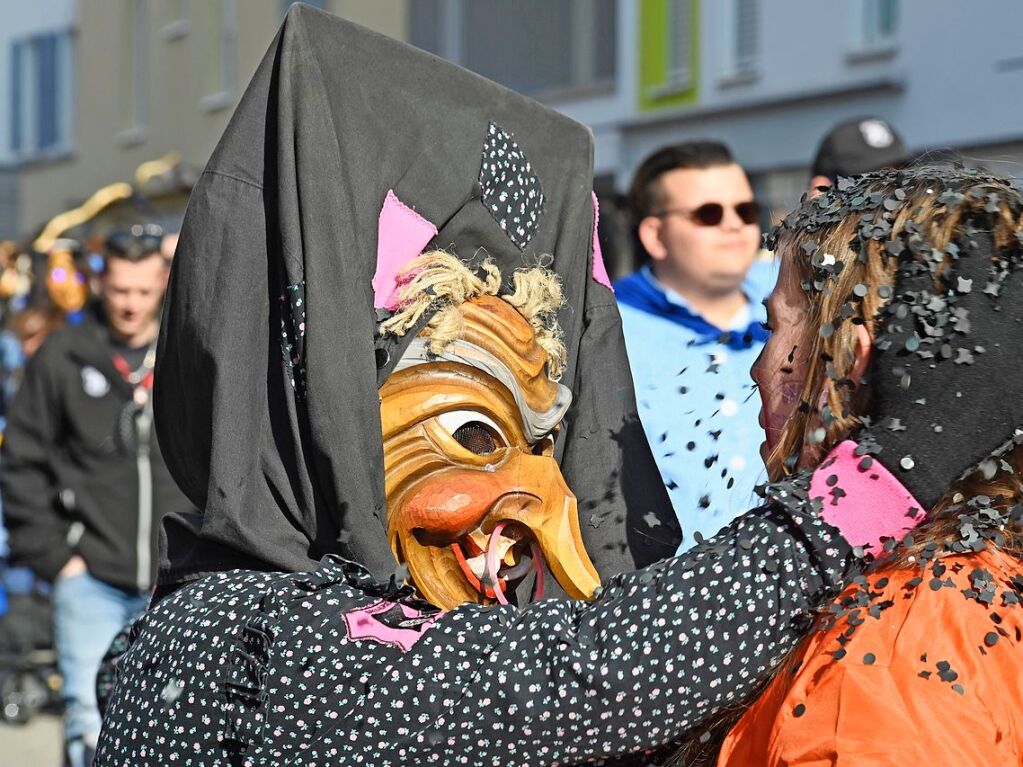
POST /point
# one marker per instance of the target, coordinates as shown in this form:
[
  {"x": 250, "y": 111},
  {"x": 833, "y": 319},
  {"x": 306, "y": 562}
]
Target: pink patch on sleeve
[
  {"x": 363, "y": 624},
  {"x": 873, "y": 503},
  {"x": 599, "y": 270},
  {"x": 402, "y": 234}
]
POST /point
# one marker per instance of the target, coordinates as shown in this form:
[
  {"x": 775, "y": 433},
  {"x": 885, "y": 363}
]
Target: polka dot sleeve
[{"x": 563, "y": 682}]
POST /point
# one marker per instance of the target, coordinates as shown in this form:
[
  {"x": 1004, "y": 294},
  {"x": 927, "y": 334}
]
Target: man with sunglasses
[
  {"x": 693, "y": 322},
  {"x": 84, "y": 483}
]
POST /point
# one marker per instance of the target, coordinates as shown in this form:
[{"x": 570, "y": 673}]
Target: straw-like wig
[{"x": 439, "y": 282}]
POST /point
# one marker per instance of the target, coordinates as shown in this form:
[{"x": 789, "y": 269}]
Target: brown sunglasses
[{"x": 713, "y": 213}]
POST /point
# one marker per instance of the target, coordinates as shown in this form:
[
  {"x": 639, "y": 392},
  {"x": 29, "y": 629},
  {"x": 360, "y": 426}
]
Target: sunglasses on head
[
  {"x": 140, "y": 239},
  {"x": 713, "y": 213}
]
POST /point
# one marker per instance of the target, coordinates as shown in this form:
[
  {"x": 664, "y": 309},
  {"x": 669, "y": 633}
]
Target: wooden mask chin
[{"x": 475, "y": 499}]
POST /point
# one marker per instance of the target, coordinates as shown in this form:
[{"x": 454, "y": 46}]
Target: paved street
[{"x": 36, "y": 744}]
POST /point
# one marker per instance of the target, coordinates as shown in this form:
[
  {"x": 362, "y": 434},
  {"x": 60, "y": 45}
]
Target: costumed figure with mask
[{"x": 392, "y": 376}]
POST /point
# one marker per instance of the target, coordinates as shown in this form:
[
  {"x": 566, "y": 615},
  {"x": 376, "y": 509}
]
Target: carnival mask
[
  {"x": 475, "y": 498},
  {"x": 64, "y": 283}
]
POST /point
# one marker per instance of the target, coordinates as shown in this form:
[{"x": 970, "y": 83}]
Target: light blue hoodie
[{"x": 696, "y": 399}]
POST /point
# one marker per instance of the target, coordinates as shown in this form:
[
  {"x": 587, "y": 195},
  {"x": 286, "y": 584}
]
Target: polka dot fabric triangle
[{"x": 511, "y": 191}]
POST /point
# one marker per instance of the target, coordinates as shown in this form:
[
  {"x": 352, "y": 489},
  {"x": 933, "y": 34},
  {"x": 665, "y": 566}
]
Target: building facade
[
  {"x": 35, "y": 91},
  {"x": 95, "y": 89},
  {"x": 768, "y": 79}
]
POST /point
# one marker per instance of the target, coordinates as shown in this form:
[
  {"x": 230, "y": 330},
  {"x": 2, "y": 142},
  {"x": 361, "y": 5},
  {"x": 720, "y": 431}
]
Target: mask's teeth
[
  {"x": 478, "y": 565},
  {"x": 479, "y": 540},
  {"x": 504, "y": 546}
]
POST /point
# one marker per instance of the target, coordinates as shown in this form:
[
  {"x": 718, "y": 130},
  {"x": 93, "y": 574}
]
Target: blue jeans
[{"x": 87, "y": 615}]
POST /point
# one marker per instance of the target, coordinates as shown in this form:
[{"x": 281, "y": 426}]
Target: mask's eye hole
[
  {"x": 544, "y": 447},
  {"x": 475, "y": 437},
  {"x": 473, "y": 431}
]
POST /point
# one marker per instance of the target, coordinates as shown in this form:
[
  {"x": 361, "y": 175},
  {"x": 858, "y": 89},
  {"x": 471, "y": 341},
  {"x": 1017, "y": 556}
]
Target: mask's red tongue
[
  {"x": 466, "y": 569},
  {"x": 492, "y": 565},
  {"x": 495, "y": 585}
]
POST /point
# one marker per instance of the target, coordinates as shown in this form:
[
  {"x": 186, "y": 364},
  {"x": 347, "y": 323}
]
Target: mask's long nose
[
  {"x": 562, "y": 548},
  {"x": 554, "y": 521},
  {"x": 523, "y": 488}
]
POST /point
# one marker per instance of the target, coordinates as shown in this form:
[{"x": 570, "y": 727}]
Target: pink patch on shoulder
[
  {"x": 364, "y": 624},
  {"x": 401, "y": 236},
  {"x": 599, "y": 270}
]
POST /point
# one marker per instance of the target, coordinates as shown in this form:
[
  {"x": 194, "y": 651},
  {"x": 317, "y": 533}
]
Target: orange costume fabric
[{"x": 936, "y": 679}]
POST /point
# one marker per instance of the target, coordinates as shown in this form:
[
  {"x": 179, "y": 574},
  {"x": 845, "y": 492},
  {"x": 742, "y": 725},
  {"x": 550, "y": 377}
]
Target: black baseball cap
[{"x": 859, "y": 146}]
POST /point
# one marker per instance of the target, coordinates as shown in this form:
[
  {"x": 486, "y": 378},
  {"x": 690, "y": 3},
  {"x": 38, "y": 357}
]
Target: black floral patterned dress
[{"x": 329, "y": 668}]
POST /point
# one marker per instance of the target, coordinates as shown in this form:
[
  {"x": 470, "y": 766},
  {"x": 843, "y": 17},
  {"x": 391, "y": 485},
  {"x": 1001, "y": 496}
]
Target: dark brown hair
[
  {"x": 34, "y": 320},
  {"x": 697, "y": 155}
]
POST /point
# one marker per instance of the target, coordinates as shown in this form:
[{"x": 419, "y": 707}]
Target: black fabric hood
[
  {"x": 282, "y": 450},
  {"x": 944, "y": 384}
]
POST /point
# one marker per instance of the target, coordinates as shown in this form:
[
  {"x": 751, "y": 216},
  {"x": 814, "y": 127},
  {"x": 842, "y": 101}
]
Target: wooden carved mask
[
  {"x": 475, "y": 498},
  {"x": 64, "y": 283}
]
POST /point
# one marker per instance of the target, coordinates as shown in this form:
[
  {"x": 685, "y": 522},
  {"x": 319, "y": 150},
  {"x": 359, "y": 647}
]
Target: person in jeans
[{"x": 84, "y": 483}]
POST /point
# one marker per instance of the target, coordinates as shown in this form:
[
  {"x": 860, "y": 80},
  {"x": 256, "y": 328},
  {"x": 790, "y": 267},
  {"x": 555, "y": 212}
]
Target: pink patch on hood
[
  {"x": 599, "y": 270},
  {"x": 402, "y": 234}
]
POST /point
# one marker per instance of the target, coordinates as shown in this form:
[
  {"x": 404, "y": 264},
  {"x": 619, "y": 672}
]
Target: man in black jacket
[{"x": 84, "y": 482}]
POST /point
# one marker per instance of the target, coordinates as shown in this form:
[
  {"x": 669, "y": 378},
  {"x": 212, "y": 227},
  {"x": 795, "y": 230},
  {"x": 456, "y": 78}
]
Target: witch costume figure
[{"x": 392, "y": 377}]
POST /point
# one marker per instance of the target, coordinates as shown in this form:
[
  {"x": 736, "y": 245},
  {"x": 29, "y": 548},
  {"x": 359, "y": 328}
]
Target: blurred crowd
[
  {"x": 83, "y": 486},
  {"x": 40, "y": 292}
]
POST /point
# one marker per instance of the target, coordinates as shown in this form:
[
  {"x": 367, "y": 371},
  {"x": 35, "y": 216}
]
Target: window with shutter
[
  {"x": 680, "y": 43},
  {"x": 875, "y": 27},
  {"x": 19, "y": 68},
  {"x": 546, "y": 48},
  {"x": 746, "y": 35},
  {"x": 740, "y": 40},
  {"x": 40, "y": 95},
  {"x": 136, "y": 92},
  {"x": 879, "y": 22},
  {"x": 222, "y": 71}
]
